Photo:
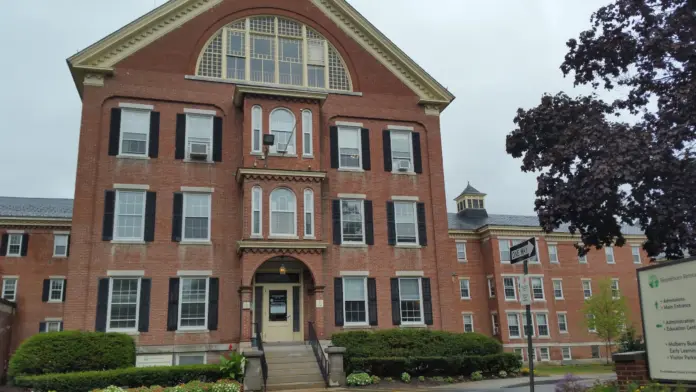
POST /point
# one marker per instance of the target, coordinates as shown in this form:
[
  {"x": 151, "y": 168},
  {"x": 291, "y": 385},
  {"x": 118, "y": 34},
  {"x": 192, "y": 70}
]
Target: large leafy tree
[
  {"x": 631, "y": 160},
  {"x": 606, "y": 313}
]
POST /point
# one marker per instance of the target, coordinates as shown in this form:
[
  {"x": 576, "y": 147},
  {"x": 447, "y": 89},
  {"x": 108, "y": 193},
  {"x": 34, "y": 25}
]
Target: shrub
[
  {"x": 358, "y": 379},
  {"x": 72, "y": 351},
  {"x": 194, "y": 386},
  {"x": 476, "y": 376},
  {"x": 502, "y": 374},
  {"x": 405, "y": 377},
  {"x": 129, "y": 378},
  {"x": 375, "y": 379},
  {"x": 233, "y": 367},
  {"x": 630, "y": 340},
  {"x": 421, "y": 378},
  {"x": 449, "y": 380},
  {"x": 436, "y": 366}
]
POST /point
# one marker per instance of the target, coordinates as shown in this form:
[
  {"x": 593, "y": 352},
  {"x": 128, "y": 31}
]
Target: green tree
[{"x": 607, "y": 314}]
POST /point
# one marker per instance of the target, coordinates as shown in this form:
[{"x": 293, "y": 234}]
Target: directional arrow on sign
[{"x": 523, "y": 251}]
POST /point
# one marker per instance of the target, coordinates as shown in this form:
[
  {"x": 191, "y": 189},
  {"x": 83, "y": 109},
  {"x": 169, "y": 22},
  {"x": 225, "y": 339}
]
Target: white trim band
[
  {"x": 194, "y": 273},
  {"x": 139, "y": 106},
  {"x": 405, "y": 198},
  {"x": 61, "y": 232},
  {"x": 201, "y": 111},
  {"x": 542, "y": 344},
  {"x": 351, "y": 196},
  {"x": 137, "y": 187},
  {"x": 355, "y": 273},
  {"x": 53, "y": 319},
  {"x": 125, "y": 273},
  {"x": 348, "y": 124},
  {"x": 10, "y": 276},
  {"x": 56, "y": 277},
  {"x": 197, "y": 189},
  {"x": 400, "y": 128},
  {"x": 410, "y": 273},
  {"x": 15, "y": 231}
]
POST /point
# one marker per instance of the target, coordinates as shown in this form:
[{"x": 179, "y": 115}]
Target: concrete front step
[
  {"x": 303, "y": 386},
  {"x": 294, "y": 366},
  {"x": 289, "y": 378},
  {"x": 281, "y": 360}
]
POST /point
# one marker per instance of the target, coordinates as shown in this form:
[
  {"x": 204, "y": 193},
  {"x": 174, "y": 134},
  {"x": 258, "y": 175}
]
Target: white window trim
[
  {"x": 548, "y": 354},
  {"x": 137, "y": 305},
  {"x": 138, "y": 106},
  {"x": 496, "y": 330},
  {"x": 260, "y": 127},
  {"x": 558, "y": 260},
  {"x": 583, "y": 259},
  {"x": 200, "y": 113},
  {"x": 463, "y": 243},
  {"x": 367, "y": 309},
  {"x": 135, "y": 108},
  {"x": 203, "y": 354},
  {"x": 47, "y": 322},
  {"x": 520, "y": 327},
  {"x": 307, "y": 129},
  {"x": 491, "y": 287},
  {"x": 618, "y": 288},
  {"x": 409, "y": 136},
  {"x": 559, "y": 280},
  {"x": 606, "y": 256},
  {"x": 194, "y": 273},
  {"x": 181, "y": 302},
  {"x": 362, "y": 214},
  {"x": 543, "y": 292},
  {"x": 254, "y": 190},
  {"x": 360, "y": 163},
  {"x": 548, "y": 326},
  {"x": 270, "y": 216},
  {"x": 183, "y": 223},
  {"x": 582, "y": 284},
  {"x": 514, "y": 286},
  {"x": 117, "y": 213},
  {"x": 125, "y": 274},
  {"x": 468, "y": 287},
  {"x": 415, "y": 225},
  {"x": 420, "y": 296},
  {"x": 570, "y": 353},
  {"x": 591, "y": 330},
  {"x": 640, "y": 259},
  {"x": 291, "y": 147},
  {"x": 9, "y": 241},
  {"x": 55, "y": 244},
  {"x": 349, "y": 124},
  {"x": 473, "y": 328},
  {"x": 16, "y": 289},
  {"x": 308, "y": 209},
  {"x": 558, "y": 321},
  {"x": 50, "y": 289}
]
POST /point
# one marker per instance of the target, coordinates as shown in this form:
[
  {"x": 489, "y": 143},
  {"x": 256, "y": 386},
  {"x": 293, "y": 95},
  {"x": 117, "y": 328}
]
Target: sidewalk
[{"x": 519, "y": 382}]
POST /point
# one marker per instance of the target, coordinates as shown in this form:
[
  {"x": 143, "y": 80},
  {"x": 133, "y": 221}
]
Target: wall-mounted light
[{"x": 282, "y": 269}]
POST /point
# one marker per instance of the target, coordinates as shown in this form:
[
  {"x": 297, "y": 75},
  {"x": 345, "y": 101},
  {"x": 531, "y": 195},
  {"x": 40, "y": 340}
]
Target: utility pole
[
  {"x": 530, "y": 331},
  {"x": 524, "y": 251}
]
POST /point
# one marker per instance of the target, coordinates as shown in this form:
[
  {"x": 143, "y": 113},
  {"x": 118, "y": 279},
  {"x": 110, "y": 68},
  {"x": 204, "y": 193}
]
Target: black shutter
[
  {"x": 336, "y": 217},
  {"x": 296, "y": 309},
  {"x": 213, "y": 299},
  {"x": 67, "y": 250},
  {"x": 386, "y": 146},
  {"x": 108, "y": 220},
  {"x": 46, "y": 289},
  {"x": 333, "y": 141},
  {"x": 177, "y": 216},
  {"x": 338, "y": 301},
  {"x": 102, "y": 305},
  {"x": 154, "y": 135},
  {"x": 25, "y": 244},
  {"x": 396, "y": 308},
  {"x": 372, "y": 300},
  {"x": 173, "y": 308},
  {"x": 422, "y": 235},
  {"x": 180, "y": 147},
  {"x": 61, "y": 325},
  {"x": 65, "y": 289},
  {"x": 258, "y": 308},
  {"x": 150, "y": 210},
  {"x": 144, "y": 314},
  {"x": 427, "y": 301},
  {"x": 391, "y": 224},
  {"x": 115, "y": 131},
  {"x": 42, "y": 326},
  {"x": 217, "y": 139},
  {"x": 369, "y": 226},
  {"x": 3, "y": 245},
  {"x": 417, "y": 160},
  {"x": 365, "y": 144}
]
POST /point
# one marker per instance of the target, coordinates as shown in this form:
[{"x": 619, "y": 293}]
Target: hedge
[
  {"x": 72, "y": 351},
  {"x": 128, "y": 378},
  {"x": 437, "y": 366}
]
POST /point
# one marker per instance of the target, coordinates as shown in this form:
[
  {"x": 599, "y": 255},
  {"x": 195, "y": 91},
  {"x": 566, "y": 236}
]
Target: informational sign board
[
  {"x": 525, "y": 290},
  {"x": 668, "y": 308},
  {"x": 523, "y": 251}
]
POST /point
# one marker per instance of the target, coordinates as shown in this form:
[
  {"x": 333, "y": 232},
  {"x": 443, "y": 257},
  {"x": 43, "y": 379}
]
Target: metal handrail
[
  {"x": 259, "y": 346},
  {"x": 319, "y": 353}
]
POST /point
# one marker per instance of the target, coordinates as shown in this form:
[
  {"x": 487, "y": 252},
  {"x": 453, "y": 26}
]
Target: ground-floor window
[
  {"x": 595, "y": 352},
  {"x": 194, "y": 303},
  {"x": 567, "y": 354},
  {"x": 355, "y": 300},
  {"x": 468, "y": 322},
  {"x": 544, "y": 354},
  {"x": 123, "y": 304},
  {"x": 410, "y": 301},
  {"x": 191, "y": 359}
]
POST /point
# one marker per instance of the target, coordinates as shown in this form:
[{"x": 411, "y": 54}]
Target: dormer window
[{"x": 272, "y": 50}]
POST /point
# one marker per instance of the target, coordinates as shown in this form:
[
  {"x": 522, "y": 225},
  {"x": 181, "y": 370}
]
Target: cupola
[{"x": 471, "y": 202}]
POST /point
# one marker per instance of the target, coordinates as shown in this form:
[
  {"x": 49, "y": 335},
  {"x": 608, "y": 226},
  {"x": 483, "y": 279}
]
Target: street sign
[
  {"x": 525, "y": 290},
  {"x": 523, "y": 251}
]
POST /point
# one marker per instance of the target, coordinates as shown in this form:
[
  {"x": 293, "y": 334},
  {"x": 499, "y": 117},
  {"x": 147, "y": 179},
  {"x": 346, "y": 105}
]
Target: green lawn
[{"x": 574, "y": 369}]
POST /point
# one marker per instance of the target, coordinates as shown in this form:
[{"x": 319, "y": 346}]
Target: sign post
[{"x": 524, "y": 251}]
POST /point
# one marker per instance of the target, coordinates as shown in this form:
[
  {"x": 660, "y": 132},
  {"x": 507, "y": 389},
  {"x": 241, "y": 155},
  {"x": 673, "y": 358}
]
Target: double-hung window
[
  {"x": 308, "y": 213},
  {"x": 56, "y": 287},
  {"x": 283, "y": 213},
  {"x": 130, "y": 215},
  {"x": 124, "y": 305},
  {"x": 401, "y": 150},
  {"x": 591, "y": 326},
  {"x": 491, "y": 287},
  {"x": 349, "y": 148},
  {"x": 135, "y": 132},
  {"x": 14, "y": 244},
  {"x": 615, "y": 293},
  {"x": 509, "y": 288},
  {"x": 60, "y": 245},
  {"x": 542, "y": 322},
  {"x": 495, "y": 322},
  {"x": 553, "y": 254},
  {"x": 537, "y": 289},
  {"x": 461, "y": 251},
  {"x": 411, "y": 301},
  {"x": 197, "y": 216},
  {"x": 193, "y": 306},
  {"x": 513, "y": 320},
  {"x": 519, "y": 352},
  {"x": 587, "y": 288},
  {"x": 562, "y": 322},
  {"x": 307, "y": 148},
  {"x": 256, "y": 129},
  {"x": 505, "y": 246},
  {"x": 464, "y": 289},
  {"x": 557, "y": 289},
  {"x": 256, "y": 211},
  {"x": 635, "y": 252},
  {"x": 544, "y": 354},
  {"x": 595, "y": 352},
  {"x": 567, "y": 354},
  {"x": 283, "y": 128},
  {"x": 9, "y": 289},
  {"x": 355, "y": 300},
  {"x": 199, "y": 136},
  {"x": 352, "y": 221},
  {"x": 406, "y": 222},
  {"x": 582, "y": 259},
  {"x": 52, "y": 326},
  {"x": 609, "y": 252},
  {"x": 468, "y": 319}
]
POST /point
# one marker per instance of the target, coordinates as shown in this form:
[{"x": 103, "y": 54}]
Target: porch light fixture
[
  {"x": 282, "y": 269},
  {"x": 268, "y": 141}
]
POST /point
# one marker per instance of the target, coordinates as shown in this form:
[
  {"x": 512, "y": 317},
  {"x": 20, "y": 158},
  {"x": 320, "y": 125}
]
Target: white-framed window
[
  {"x": 52, "y": 326},
  {"x": 461, "y": 251},
  {"x": 595, "y": 352},
  {"x": 283, "y": 213},
  {"x": 406, "y": 222},
  {"x": 609, "y": 253},
  {"x": 256, "y": 211},
  {"x": 135, "y": 132},
  {"x": 199, "y": 135},
  {"x": 9, "y": 288},
  {"x": 534, "y": 356},
  {"x": 352, "y": 221},
  {"x": 410, "y": 301},
  {"x": 130, "y": 215},
  {"x": 519, "y": 352},
  {"x": 193, "y": 303},
  {"x": 635, "y": 252},
  {"x": 537, "y": 288},
  {"x": 197, "y": 211},
  {"x": 542, "y": 322},
  {"x": 557, "y": 288},
  {"x": 401, "y": 150},
  {"x": 491, "y": 287},
  {"x": 308, "y": 213},
  {"x": 14, "y": 244},
  {"x": 468, "y": 319},
  {"x": 591, "y": 327},
  {"x": 124, "y": 305},
  {"x": 615, "y": 292},
  {"x": 544, "y": 354},
  {"x": 349, "y": 148},
  {"x": 355, "y": 300},
  {"x": 509, "y": 288},
  {"x": 562, "y": 322},
  {"x": 256, "y": 129},
  {"x": 495, "y": 322},
  {"x": 513, "y": 320},
  {"x": 582, "y": 259},
  {"x": 60, "y": 245},
  {"x": 56, "y": 287},
  {"x": 567, "y": 353},
  {"x": 307, "y": 145},
  {"x": 283, "y": 127},
  {"x": 587, "y": 288},
  {"x": 527, "y": 328},
  {"x": 464, "y": 289},
  {"x": 553, "y": 253},
  {"x": 505, "y": 245},
  {"x": 191, "y": 359}
]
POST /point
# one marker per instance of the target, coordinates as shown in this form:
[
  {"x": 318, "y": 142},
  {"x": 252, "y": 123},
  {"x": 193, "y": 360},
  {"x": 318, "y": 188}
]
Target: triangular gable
[{"x": 100, "y": 58}]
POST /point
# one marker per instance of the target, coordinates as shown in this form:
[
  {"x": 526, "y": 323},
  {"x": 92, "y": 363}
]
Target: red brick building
[{"x": 192, "y": 229}]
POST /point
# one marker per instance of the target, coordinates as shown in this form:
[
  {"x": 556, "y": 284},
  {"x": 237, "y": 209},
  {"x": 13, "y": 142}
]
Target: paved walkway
[{"x": 521, "y": 384}]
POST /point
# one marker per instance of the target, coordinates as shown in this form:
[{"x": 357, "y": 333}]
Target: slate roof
[
  {"x": 26, "y": 207},
  {"x": 459, "y": 222},
  {"x": 470, "y": 190}
]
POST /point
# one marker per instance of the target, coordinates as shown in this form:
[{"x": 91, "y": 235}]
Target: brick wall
[{"x": 631, "y": 368}]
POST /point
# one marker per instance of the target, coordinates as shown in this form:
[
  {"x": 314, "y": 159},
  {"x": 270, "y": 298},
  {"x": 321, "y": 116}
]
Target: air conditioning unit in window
[
  {"x": 198, "y": 151},
  {"x": 404, "y": 165}
]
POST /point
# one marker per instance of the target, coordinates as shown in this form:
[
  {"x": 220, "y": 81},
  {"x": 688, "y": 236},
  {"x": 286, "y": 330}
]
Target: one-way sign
[{"x": 523, "y": 251}]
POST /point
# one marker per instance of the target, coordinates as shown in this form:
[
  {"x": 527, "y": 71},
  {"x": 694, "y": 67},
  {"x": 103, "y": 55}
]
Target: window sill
[
  {"x": 555, "y": 262},
  {"x": 539, "y": 300},
  {"x": 54, "y": 301},
  {"x": 307, "y": 156},
  {"x": 543, "y": 337},
  {"x": 128, "y": 242},
  {"x": 136, "y": 157},
  {"x": 130, "y": 333},
  {"x": 283, "y": 237},
  {"x": 421, "y": 326},
  {"x": 188, "y": 160},
  {"x": 309, "y": 237},
  {"x": 465, "y": 299},
  {"x": 350, "y": 169},
  {"x": 276, "y": 154},
  {"x": 256, "y": 237},
  {"x": 510, "y": 300},
  {"x": 60, "y": 257},
  {"x": 405, "y": 173},
  {"x": 563, "y": 333},
  {"x": 256, "y": 153},
  {"x": 189, "y": 242},
  {"x": 191, "y": 331},
  {"x": 13, "y": 256},
  {"x": 559, "y": 299},
  {"x": 462, "y": 261},
  {"x": 408, "y": 246},
  {"x": 354, "y": 245}
]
